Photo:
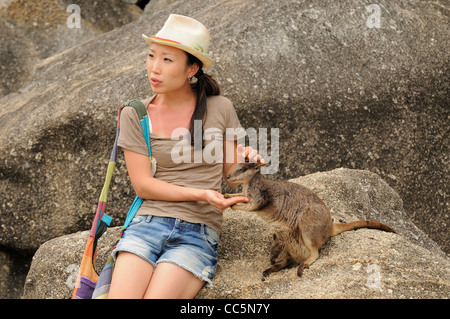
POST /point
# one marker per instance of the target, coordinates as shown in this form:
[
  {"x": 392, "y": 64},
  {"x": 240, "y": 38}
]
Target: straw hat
[{"x": 186, "y": 34}]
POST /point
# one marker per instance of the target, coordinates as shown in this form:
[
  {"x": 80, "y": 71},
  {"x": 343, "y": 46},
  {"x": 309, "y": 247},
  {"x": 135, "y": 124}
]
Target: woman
[{"x": 170, "y": 248}]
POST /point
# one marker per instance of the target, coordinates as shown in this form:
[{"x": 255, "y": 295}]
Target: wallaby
[{"x": 300, "y": 219}]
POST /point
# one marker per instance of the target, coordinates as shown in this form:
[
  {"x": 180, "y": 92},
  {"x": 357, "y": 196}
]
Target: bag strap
[
  {"x": 102, "y": 220},
  {"x": 144, "y": 119}
]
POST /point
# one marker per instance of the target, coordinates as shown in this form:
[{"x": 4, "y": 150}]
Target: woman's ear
[{"x": 193, "y": 69}]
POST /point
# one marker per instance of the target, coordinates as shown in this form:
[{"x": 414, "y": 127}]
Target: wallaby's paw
[
  {"x": 266, "y": 273},
  {"x": 301, "y": 268},
  {"x": 228, "y": 195}
]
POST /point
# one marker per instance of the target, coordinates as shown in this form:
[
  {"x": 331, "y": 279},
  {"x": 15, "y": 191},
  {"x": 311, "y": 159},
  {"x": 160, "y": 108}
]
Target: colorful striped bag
[{"x": 90, "y": 285}]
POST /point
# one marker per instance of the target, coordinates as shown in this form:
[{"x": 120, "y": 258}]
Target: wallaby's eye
[{"x": 242, "y": 170}]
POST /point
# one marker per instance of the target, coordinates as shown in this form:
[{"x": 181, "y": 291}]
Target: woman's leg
[
  {"x": 131, "y": 277},
  {"x": 170, "y": 281}
]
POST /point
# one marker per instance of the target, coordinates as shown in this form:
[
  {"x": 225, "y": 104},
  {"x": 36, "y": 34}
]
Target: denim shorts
[{"x": 165, "y": 239}]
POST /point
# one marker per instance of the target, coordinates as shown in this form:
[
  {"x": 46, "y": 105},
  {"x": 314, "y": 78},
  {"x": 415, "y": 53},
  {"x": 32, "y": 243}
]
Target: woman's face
[{"x": 167, "y": 68}]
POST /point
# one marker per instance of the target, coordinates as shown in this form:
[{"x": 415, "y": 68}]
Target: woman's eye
[
  {"x": 167, "y": 60},
  {"x": 150, "y": 55}
]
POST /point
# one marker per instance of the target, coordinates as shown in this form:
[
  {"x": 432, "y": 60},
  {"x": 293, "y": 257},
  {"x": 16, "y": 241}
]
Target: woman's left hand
[
  {"x": 250, "y": 153},
  {"x": 218, "y": 200}
]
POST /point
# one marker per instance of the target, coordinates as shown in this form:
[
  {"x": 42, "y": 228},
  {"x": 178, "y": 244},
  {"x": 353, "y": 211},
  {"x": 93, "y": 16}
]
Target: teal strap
[
  {"x": 132, "y": 211},
  {"x": 146, "y": 130},
  {"x": 106, "y": 219}
]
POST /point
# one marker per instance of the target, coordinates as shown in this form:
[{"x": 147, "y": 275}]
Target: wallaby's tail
[{"x": 339, "y": 228}]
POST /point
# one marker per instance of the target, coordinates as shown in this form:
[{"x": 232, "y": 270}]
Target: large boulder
[
  {"x": 30, "y": 32},
  {"x": 341, "y": 91},
  {"x": 35, "y": 30},
  {"x": 36, "y": 26},
  {"x": 355, "y": 264}
]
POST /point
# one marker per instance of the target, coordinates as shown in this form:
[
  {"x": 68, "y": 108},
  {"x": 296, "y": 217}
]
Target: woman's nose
[
  {"x": 156, "y": 68},
  {"x": 153, "y": 67}
]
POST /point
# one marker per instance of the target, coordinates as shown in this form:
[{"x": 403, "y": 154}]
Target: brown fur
[{"x": 301, "y": 220}]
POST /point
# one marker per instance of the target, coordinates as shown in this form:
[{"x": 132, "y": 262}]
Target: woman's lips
[{"x": 155, "y": 82}]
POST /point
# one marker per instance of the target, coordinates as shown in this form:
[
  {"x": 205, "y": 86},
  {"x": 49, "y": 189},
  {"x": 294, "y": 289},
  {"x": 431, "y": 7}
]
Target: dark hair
[{"x": 204, "y": 87}]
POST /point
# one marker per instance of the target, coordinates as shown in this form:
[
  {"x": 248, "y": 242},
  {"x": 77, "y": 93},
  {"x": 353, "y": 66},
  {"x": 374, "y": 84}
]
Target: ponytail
[{"x": 204, "y": 86}]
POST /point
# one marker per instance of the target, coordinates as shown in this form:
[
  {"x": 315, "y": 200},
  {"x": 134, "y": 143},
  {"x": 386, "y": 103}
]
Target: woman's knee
[{"x": 131, "y": 276}]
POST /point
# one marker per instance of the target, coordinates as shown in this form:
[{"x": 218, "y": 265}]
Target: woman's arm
[{"x": 148, "y": 187}]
